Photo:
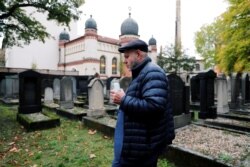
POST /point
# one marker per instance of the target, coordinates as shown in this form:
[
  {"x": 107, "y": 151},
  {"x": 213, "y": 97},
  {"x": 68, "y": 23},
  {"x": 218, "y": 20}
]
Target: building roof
[
  {"x": 90, "y": 23},
  {"x": 152, "y": 41},
  {"x": 129, "y": 26},
  {"x": 64, "y": 35}
]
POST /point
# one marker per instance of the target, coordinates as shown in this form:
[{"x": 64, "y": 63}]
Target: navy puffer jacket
[{"x": 148, "y": 119}]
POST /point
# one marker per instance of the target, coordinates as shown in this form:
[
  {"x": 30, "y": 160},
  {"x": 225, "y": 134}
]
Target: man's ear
[{"x": 139, "y": 53}]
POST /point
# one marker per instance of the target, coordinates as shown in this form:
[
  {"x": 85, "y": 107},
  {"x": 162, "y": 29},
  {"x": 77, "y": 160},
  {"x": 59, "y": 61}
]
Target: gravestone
[
  {"x": 177, "y": 94},
  {"x": 48, "y": 95},
  {"x": 124, "y": 83},
  {"x": 2, "y": 87},
  {"x": 74, "y": 88},
  {"x": 95, "y": 98},
  {"x": 11, "y": 86},
  {"x": 195, "y": 89},
  {"x": 245, "y": 90},
  {"x": 66, "y": 93},
  {"x": 222, "y": 94},
  {"x": 30, "y": 113},
  {"x": 56, "y": 88},
  {"x": 207, "y": 107},
  {"x": 82, "y": 85},
  {"x": 179, "y": 97},
  {"x": 29, "y": 92},
  {"x": 229, "y": 87},
  {"x": 47, "y": 81},
  {"x": 235, "y": 90}
]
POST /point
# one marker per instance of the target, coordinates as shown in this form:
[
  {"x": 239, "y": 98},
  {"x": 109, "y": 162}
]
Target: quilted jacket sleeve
[{"x": 153, "y": 92}]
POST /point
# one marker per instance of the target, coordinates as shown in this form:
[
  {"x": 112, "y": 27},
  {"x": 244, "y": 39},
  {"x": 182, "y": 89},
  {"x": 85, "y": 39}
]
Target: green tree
[
  {"x": 174, "y": 60},
  {"x": 17, "y": 25},
  {"x": 207, "y": 41},
  {"x": 226, "y": 42},
  {"x": 234, "y": 53}
]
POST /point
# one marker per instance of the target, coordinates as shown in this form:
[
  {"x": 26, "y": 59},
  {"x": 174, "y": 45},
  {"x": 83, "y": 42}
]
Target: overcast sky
[{"x": 154, "y": 17}]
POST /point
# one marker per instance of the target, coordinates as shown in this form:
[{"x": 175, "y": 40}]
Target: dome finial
[
  {"x": 129, "y": 9},
  {"x": 91, "y": 16}
]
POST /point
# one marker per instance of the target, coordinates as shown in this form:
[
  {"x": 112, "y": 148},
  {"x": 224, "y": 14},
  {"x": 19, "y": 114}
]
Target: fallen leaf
[
  {"x": 92, "y": 132},
  {"x": 14, "y": 149},
  {"x": 91, "y": 156},
  {"x": 11, "y": 143},
  {"x": 105, "y": 137},
  {"x": 31, "y": 154},
  {"x": 34, "y": 165}
]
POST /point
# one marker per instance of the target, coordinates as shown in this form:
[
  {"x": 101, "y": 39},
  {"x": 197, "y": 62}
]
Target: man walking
[{"x": 145, "y": 122}]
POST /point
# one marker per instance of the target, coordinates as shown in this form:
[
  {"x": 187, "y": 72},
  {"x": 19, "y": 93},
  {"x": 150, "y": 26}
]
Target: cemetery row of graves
[{"x": 211, "y": 112}]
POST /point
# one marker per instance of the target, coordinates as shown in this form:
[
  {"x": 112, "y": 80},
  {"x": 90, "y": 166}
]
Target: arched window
[
  {"x": 114, "y": 65},
  {"x": 102, "y": 65},
  {"x": 197, "y": 67}
]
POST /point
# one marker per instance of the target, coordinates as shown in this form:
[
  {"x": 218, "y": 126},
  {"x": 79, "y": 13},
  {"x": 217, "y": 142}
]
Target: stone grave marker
[
  {"x": 82, "y": 85},
  {"x": 235, "y": 90},
  {"x": 2, "y": 87},
  {"x": 195, "y": 89},
  {"x": 207, "y": 107},
  {"x": 11, "y": 86},
  {"x": 48, "y": 95},
  {"x": 96, "y": 98},
  {"x": 29, "y": 92},
  {"x": 30, "y": 113},
  {"x": 66, "y": 93},
  {"x": 179, "y": 97},
  {"x": 56, "y": 88},
  {"x": 177, "y": 94},
  {"x": 74, "y": 88},
  {"x": 222, "y": 94},
  {"x": 245, "y": 91}
]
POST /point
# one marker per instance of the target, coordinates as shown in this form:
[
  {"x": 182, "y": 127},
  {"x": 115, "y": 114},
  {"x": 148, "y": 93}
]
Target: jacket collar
[{"x": 136, "y": 70}]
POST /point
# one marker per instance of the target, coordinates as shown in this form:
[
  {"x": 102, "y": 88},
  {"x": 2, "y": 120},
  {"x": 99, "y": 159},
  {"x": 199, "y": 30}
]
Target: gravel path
[{"x": 226, "y": 146}]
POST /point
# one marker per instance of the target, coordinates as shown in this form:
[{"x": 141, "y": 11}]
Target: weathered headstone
[
  {"x": 96, "y": 98},
  {"x": 179, "y": 97},
  {"x": 124, "y": 83},
  {"x": 56, "y": 88},
  {"x": 66, "y": 93},
  {"x": 29, "y": 92},
  {"x": 229, "y": 87},
  {"x": 48, "y": 95},
  {"x": 82, "y": 85},
  {"x": 195, "y": 89},
  {"x": 235, "y": 90},
  {"x": 47, "y": 81},
  {"x": 30, "y": 113},
  {"x": 74, "y": 88},
  {"x": 222, "y": 94},
  {"x": 207, "y": 107},
  {"x": 2, "y": 87},
  {"x": 11, "y": 86},
  {"x": 177, "y": 93},
  {"x": 245, "y": 91}
]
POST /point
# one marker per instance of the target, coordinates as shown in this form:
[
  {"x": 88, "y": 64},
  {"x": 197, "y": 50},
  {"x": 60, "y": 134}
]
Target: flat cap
[{"x": 134, "y": 44}]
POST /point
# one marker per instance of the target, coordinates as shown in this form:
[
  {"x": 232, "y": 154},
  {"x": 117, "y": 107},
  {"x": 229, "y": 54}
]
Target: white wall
[{"x": 44, "y": 55}]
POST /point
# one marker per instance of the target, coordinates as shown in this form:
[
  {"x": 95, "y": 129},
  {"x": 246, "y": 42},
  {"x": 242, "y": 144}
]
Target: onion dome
[
  {"x": 64, "y": 35},
  {"x": 129, "y": 26},
  {"x": 90, "y": 23},
  {"x": 152, "y": 41}
]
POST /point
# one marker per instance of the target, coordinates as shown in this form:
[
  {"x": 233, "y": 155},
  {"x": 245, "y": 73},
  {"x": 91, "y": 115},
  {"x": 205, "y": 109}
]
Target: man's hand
[{"x": 116, "y": 96}]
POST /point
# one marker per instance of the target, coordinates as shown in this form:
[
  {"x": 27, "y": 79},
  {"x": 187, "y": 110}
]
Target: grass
[{"x": 69, "y": 145}]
